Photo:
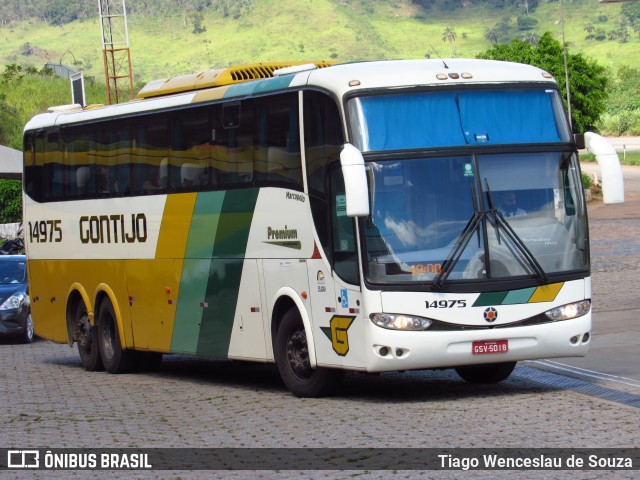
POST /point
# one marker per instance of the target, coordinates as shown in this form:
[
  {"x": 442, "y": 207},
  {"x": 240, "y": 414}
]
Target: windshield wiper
[
  {"x": 501, "y": 222},
  {"x": 462, "y": 242}
]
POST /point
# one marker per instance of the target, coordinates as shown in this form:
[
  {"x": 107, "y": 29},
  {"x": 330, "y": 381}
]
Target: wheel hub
[
  {"x": 83, "y": 333},
  {"x": 298, "y": 354}
]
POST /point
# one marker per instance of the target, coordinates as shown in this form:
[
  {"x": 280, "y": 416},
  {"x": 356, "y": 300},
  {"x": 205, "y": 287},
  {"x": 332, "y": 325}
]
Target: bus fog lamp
[
  {"x": 400, "y": 322},
  {"x": 569, "y": 311}
]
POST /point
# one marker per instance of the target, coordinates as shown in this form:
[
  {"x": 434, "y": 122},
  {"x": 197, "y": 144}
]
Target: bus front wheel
[
  {"x": 489, "y": 373},
  {"x": 114, "y": 357},
  {"x": 86, "y": 337},
  {"x": 292, "y": 358}
]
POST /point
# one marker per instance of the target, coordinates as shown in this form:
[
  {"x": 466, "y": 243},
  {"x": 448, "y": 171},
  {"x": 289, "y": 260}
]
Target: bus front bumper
[{"x": 391, "y": 350}]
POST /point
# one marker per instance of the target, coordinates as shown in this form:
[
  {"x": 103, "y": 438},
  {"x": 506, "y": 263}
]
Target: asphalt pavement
[
  {"x": 621, "y": 144},
  {"x": 615, "y": 263}
]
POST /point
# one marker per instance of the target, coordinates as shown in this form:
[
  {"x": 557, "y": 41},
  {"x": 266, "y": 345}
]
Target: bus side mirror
[
  {"x": 355, "y": 181},
  {"x": 578, "y": 139}
]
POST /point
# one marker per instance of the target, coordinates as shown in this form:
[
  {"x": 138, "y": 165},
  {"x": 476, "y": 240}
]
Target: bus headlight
[
  {"x": 571, "y": 310},
  {"x": 400, "y": 322}
]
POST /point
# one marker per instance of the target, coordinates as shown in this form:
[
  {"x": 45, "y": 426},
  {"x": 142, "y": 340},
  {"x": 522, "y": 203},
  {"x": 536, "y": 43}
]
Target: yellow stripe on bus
[
  {"x": 174, "y": 230},
  {"x": 546, "y": 293}
]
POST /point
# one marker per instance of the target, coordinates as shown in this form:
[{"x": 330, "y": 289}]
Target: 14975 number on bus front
[{"x": 445, "y": 304}]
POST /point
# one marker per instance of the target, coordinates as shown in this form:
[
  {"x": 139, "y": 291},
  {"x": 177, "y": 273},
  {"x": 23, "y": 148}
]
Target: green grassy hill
[{"x": 340, "y": 30}]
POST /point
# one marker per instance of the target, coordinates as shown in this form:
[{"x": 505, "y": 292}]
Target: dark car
[{"x": 15, "y": 311}]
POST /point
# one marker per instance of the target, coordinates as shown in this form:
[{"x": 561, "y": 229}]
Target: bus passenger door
[
  {"x": 248, "y": 334},
  {"x": 346, "y": 326},
  {"x": 323, "y": 310}
]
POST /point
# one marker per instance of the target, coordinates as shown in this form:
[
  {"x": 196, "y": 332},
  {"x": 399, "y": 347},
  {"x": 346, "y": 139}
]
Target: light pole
[{"x": 566, "y": 66}]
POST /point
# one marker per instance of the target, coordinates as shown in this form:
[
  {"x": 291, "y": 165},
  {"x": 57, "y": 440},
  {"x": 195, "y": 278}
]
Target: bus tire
[
  {"x": 294, "y": 366},
  {"x": 114, "y": 357},
  {"x": 86, "y": 337},
  {"x": 489, "y": 373}
]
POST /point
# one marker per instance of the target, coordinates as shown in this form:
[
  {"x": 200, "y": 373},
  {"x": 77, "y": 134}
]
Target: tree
[
  {"x": 589, "y": 28},
  {"x": 10, "y": 201},
  {"x": 449, "y": 35},
  {"x": 631, "y": 10},
  {"x": 623, "y": 91},
  {"x": 526, "y": 23},
  {"x": 197, "y": 19},
  {"x": 588, "y": 80},
  {"x": 530, "y": 37},
  {"x": 492, "y": 34}
]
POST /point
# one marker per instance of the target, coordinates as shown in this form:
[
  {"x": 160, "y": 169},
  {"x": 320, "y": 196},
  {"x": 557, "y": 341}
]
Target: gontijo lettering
[{"x": 113, "y": 228}]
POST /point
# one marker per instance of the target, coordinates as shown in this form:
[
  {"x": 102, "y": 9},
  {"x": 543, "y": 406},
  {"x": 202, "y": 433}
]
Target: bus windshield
[
  {"x": 403, "y": 121},
  {"x": 475, "y": 217}
]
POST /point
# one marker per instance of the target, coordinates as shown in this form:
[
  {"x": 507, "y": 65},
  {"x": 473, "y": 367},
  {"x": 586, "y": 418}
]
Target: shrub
[
  {"x": 10, "y": 201},
  {"x": 626, "y": 122}
]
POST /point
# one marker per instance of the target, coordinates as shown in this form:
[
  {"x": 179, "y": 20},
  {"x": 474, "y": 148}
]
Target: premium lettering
[
  {"x": 282, "y": 234},
  {"x": 113, "y": 228}
]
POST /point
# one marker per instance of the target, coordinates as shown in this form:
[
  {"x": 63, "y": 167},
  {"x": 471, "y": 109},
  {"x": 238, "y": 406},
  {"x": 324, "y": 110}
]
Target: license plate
[{"x": 489, "y": 347}]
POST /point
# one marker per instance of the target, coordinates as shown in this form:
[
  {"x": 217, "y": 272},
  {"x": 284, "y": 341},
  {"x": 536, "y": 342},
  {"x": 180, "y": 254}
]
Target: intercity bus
[{"x": 367, "y": 217}]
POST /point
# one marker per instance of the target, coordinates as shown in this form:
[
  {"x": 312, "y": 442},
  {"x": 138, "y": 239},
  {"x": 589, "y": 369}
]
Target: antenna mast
[{"x": 115, "y": 50}]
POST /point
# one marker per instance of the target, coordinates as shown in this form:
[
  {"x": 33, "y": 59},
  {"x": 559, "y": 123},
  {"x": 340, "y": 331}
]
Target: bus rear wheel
[
  {"x": 86, "y": 337},
  {"x": 489, "y": 373},
  {"x": 294, "y": 365},
  {"x": 114, "y": 357}
]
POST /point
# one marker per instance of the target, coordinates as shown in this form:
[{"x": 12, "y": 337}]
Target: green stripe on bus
[
  {"x": 221, "y": 298},
  {"x": 195, "y": 271},
  {"x": 490, "y": 298},
  {"x": 519, "y": 296},
  {"x": 204, "y": 225},
  {"x": 193, "y": 288},
  {"x": 225, "y": 273},
  {"x": 233, "y": 229},
  {"x": 545, "y": 293}
]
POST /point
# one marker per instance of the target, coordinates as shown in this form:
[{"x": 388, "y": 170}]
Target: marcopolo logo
[{"x": 490, "y": 314}]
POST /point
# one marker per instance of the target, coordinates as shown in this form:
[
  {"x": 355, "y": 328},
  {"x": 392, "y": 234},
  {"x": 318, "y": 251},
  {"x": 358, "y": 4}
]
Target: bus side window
[
  {"x": 190, "y": 147},
  {"x": 33, "y": 160},
  {"x": 79, "y": 157},
  {"x": 345, "y": 258},
  {"x": 49, "y": 147},
  {"x": 150, "y": 154},
  {"x": 232, "y": 149},
  {"x": 113, "y": 144},
  {"x": 277, "y": 142}
]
